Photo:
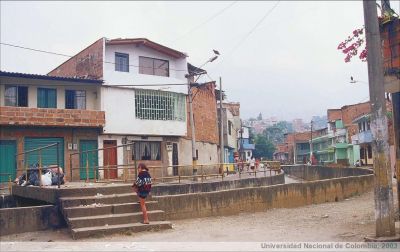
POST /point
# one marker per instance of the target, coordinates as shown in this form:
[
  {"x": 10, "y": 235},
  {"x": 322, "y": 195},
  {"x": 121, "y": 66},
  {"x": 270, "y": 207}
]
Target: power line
[
  {"x": 69, "y": 56},
  {"x": 36, "y": 50},
  {"x": 249, "y": 33},
  {"x": 205, "y": 22}
]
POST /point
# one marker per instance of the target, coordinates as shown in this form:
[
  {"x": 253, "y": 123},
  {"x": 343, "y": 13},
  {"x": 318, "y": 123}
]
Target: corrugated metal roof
[{"x": 47, "y": 77}]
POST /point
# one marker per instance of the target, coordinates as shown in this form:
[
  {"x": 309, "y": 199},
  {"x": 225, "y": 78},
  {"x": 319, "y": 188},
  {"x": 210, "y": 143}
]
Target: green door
[
  {"x": 48, "y": 155},
  {"x": 8, "y": 165},
  {"x": 89, "y": 159}
]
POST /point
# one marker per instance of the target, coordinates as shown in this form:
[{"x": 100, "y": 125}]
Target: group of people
[{"x": 252, "y": 164}]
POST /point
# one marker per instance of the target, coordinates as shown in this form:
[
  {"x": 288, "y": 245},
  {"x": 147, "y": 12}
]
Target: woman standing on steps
[{"x": 142, "y": 187}]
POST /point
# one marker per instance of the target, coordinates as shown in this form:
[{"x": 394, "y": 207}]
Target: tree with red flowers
[{"x": 352, "y": 44}]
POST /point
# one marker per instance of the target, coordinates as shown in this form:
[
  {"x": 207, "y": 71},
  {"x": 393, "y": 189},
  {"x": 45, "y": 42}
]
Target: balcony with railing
[
  {"x": 362, "y": 137},
  {"x": 24, "y": 116}
]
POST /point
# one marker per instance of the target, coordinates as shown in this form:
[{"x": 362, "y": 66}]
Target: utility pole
[
  {"x": 311, "y": 144},
  {"x": 386, "y": 11},
  {"x": 221, "y": 128},
  {"x": 384, "y": 212},
  {"x": 194, "y": 157}
]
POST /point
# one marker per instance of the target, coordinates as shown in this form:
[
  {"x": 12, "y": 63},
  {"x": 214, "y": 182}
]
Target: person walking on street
[{"x": 142, "y": 186}]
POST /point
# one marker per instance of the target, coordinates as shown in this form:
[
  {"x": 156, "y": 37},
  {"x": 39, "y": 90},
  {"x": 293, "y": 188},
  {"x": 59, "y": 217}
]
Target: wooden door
[
  {"x": 8, "y": 164},
  {"x": 110, "y": 159},
  {"x": 89, "y": 159}
]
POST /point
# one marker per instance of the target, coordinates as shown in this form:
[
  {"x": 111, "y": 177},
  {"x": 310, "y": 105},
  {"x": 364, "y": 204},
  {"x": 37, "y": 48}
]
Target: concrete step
[
  {"x": 114, "y": 219},
  {"x": 99, "y": 209},
  {"x": 99, "y": 199},
  {"x": 95, "y": 188},
  {"x": 99, "y": 231}
]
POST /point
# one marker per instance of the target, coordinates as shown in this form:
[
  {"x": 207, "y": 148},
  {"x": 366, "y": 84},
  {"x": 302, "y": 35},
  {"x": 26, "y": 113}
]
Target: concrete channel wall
[
  {"x": 312, "y": 172},
  {"x": 234, "y": 201},
  {"x": 29, "y": 219},
  {"x": 190, "y": 188}
]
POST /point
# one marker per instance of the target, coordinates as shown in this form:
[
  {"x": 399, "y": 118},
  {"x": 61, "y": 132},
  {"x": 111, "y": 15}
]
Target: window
[
  {"x": 230, "y": 127},
  {"x": 16, "y": 96},
  {"x": 147, "y": 151},
  {"x": 46, "y": 98},
  {"x": 75, "y": 99},
  {"x": 153, "y": 66},
  {"x": 159, "y": 105},
  {"x": 121, "y": 62}
]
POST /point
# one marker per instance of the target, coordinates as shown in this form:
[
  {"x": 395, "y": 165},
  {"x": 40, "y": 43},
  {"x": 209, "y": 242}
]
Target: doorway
[
  {"x": 175, "y": 160},
  {"x": 110, "y": 159}
]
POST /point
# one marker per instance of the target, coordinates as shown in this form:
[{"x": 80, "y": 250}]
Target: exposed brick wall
[
  {"x": 391, "y": 45},
  {"x": 334, "y": 114},
  {"x": 70, "y": 135},
  {"x": 86, "y": 64},
  {"x": 51, "y": 117},
  {"x": 205, "y": 114},
  {"x": 351, "y": 112}
]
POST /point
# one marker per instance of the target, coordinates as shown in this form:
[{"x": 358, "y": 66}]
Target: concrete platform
[{"x": 52, "y": 194}]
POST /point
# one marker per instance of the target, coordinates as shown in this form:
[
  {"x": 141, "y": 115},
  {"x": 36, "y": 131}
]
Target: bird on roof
[{"x": 216, "y": 52}]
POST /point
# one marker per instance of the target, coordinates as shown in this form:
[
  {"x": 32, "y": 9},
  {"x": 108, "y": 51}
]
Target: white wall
[
  {"x": 208, "y": 154},
  {"x": 119, "y": 106},
  {"x": 112, "y": 77},
  {"x": 245, "y": 133},
  {"x": 92, "y": 91},
  {"x": 231, "y": 140}
]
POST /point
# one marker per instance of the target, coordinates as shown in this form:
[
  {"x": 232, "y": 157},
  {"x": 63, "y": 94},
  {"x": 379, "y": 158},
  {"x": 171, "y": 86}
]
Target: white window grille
[{"x": 159, "y": 105}]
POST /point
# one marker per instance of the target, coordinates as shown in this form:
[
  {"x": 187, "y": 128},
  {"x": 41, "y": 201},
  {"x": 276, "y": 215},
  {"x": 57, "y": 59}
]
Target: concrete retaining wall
[
  {"x": 7, "y": 201},
  {"x": 29, "y": 219},
  {"x": 311, "y": 173},
  {"x": 262, "y": 198},
  {"x": 173, "y": 189}
]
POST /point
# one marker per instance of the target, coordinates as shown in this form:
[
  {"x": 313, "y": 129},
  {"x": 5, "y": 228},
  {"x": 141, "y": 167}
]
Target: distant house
[
  {"x": 282, "y": 153},
  {"x": 40, "y": 110},
  {"x": 231, "y": 124},
  {"x": 245, "y": 147},
  {"x": 364, "y": 139}
]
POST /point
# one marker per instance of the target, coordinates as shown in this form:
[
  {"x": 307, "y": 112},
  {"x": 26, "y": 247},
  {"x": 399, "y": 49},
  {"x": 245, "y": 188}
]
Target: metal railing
[
  {"x": 39, "y": 161},
  {"x": 102, "y": 173}
]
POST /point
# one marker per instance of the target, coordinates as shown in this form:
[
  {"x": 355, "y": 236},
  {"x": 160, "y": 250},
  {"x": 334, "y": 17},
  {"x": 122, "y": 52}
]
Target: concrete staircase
[{"x": 115, "y": 210}]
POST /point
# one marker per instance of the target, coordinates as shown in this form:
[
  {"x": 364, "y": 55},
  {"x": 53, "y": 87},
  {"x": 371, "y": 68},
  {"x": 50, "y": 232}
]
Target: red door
[{"x": 110, "y": 159}]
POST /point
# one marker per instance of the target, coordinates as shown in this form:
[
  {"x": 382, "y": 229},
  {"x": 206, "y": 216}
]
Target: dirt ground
[{"x": 348, "y": 220}]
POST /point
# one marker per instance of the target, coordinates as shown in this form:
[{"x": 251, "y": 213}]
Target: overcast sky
[{"x": 287, "y": 67}]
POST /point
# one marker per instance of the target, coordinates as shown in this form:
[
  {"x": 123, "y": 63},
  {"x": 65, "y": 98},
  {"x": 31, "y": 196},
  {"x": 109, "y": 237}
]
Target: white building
[{"x": 144, "y": 99}]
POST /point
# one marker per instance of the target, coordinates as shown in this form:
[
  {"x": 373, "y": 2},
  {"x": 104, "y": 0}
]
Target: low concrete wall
[
  {"x": 7, "y": 201},
  {"x": 310, "y": 173},
  {"x": 173, "y": 189},
  {"x": 29, "y": 219},
  {"x": 262, "y": 198}
]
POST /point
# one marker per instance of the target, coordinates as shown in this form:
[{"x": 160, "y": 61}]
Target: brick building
[
  {"x": 206, "y": 128},
  {"x": 39, "y": 110},
  {"x": 344, "y": 127}
]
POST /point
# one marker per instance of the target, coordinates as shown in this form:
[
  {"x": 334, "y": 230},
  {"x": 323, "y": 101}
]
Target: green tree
[{"x": 263, "y": 148}]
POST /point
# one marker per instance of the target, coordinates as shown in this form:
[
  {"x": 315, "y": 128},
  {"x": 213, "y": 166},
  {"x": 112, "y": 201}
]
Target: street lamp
[{"x": 189, "y": 76}]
